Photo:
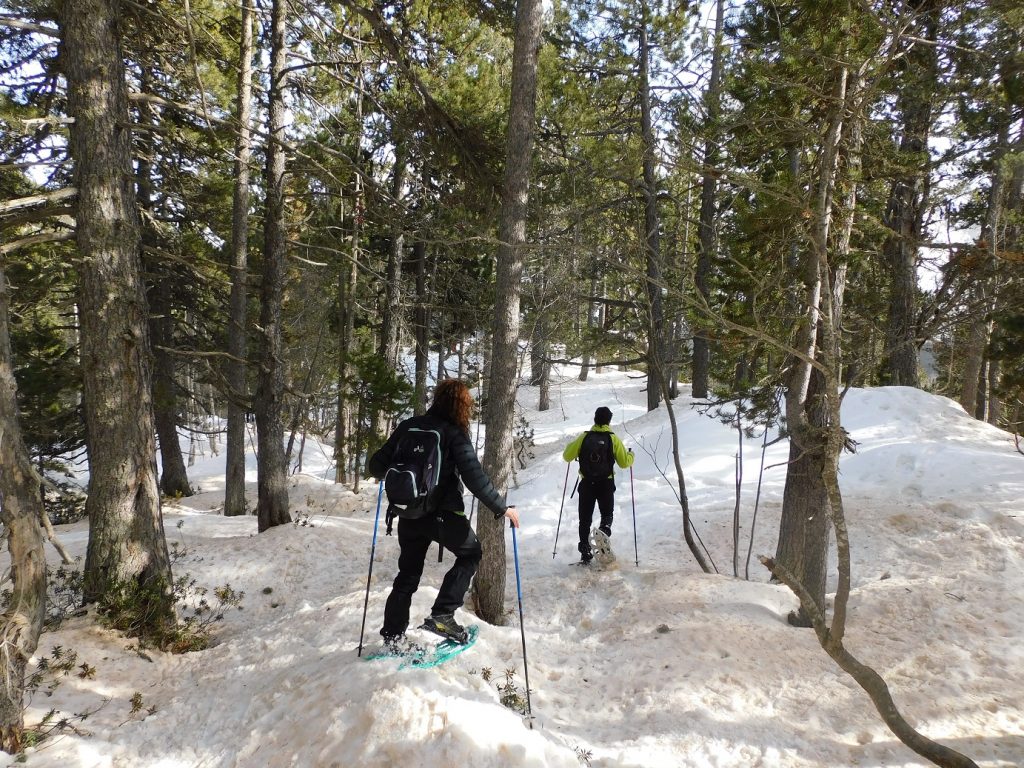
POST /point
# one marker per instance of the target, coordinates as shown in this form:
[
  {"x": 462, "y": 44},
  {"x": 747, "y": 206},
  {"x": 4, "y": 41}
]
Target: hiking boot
[
  {"x": 586, "y": 557},
  {"x": 445, "y": 625},
  {"x": 394, "y": 644}
]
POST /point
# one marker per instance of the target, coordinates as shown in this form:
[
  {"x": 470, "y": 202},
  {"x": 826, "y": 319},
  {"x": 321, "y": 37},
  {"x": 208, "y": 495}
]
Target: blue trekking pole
[
  {"x": 373, "y": 549},
  {"x": 560, "y": 508},
  {"x": 522, "y": 629}
]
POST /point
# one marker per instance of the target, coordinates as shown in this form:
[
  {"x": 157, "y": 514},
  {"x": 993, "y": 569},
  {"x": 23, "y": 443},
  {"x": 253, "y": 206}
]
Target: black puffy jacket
[{"x": 459, "y": 465}]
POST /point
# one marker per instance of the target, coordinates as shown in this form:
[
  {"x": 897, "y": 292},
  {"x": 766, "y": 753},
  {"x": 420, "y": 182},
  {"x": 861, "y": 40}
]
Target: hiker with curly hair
[{"x": 443, "y": 516}]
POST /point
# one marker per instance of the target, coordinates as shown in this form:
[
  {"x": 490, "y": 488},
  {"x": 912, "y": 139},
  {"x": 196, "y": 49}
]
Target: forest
[{"x": 297, "y": 214}]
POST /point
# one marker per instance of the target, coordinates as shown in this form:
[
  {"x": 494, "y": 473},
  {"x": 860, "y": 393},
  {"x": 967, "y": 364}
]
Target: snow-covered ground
[{"x": 655, "y": 664}]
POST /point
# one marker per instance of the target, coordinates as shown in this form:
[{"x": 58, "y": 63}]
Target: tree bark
[
  {"x": 238, "y": 332},
  {"x": 126, "y": 536},
  {"x": 652, "y": 225},
  {"x": 706, "y": 238},
  {"x": 272, "y": 486},
  {"x": 489, "y": 585},
  {"x": 804, "y": 528},
  {"x": 21, "y": 512}
]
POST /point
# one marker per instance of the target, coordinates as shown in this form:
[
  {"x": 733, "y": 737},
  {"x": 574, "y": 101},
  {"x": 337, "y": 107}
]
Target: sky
[{"x": 647, "y": 663}]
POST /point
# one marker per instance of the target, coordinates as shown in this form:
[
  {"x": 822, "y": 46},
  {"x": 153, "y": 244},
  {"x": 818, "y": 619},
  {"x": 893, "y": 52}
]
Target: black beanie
[{"x": 602, "y": 416}]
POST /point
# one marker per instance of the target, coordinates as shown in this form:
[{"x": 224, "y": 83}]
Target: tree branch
[
  {"x": 46, "y": 197},
  {"x": 46, "y": 237},
  {"x": 28, "y": 26},
  {"x": 867, "y": 678}
]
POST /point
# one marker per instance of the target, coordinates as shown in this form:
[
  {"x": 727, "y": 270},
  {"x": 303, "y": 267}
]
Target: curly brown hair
[{"x": 452, "y": 402}]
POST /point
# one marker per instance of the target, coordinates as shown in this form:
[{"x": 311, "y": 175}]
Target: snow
[{"x": 656, "y": 664}]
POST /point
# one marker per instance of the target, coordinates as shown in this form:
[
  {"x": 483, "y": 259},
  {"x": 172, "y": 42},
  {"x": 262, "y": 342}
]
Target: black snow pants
[
  {"x": 601, "y": 492},
  {"x": 454, "y": 532}
]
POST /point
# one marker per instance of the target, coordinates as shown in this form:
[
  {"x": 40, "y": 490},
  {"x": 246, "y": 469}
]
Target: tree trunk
[
  {"x": 804, "y": 527},
  {"x": 827, "y": 356},
  {"x": 536, "y": 352},
  {"x": 803, "y": 532},
  {"x": 238, "y": 332},
  {"x": 347, "y": 285},
  {"x": 391, "y": 315},
  {"x": 489, "y": 585},
  {"x": 174, "y": 477},
  {"x": 21, "y": 512},
  {"x": 708, "y": 190},
  {"x": 391, "y": 320},
  {"x": 979, "y": 328},
  {"x": 652, "y": 225},
  {"x": 974, "y": 358},
  {"x": 591, "y": 322},
  {"x": 272, "y": 476},
  {"x": 540, "y": 353},
  {"x": 126, "y": 547},
  {"x": 995, "y": 404},
  {"x": 442, "y": 342},
  {"x": 421, "y": 328},
  {"x": 540, "y": 367},
  {"x": 1010, "y": 240},
  {"x": 341, "y": 403},
  {"x": 908, "y": 198},
  {"x": 830, "y": 636},
  {"x": 601, "y": 320},
  {"x": 544, "y": 392}
]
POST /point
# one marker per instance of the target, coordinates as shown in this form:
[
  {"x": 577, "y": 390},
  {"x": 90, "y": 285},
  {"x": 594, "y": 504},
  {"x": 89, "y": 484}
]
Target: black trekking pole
[
  {"x": 369, "y": 575},
  {"x": 632, "y": 494},
  {"x": 560, "y": 508},
  {"x": 522, "y": 629}
]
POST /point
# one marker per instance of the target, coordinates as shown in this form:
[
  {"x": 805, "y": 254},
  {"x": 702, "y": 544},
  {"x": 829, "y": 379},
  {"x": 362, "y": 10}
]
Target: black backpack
[
  {"x": 413, "y": 474},
  {"x": 596, "y": 456}
]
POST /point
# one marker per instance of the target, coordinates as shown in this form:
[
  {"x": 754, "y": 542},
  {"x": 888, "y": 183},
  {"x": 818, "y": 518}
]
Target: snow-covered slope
[{"x": 655, "y": 664}]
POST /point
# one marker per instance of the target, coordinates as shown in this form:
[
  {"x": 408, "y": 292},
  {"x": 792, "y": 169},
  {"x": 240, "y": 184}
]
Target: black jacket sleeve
[
  {"x": 472, "y": 474},
  {"x": 381, "y": 460}
]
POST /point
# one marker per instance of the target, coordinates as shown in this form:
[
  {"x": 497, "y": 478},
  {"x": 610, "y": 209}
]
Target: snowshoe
[{"x": 603, "y": 547}]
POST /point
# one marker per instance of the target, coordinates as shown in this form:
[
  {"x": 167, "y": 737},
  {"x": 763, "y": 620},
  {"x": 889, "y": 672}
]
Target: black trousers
[
  {"x": 454, "y": 532},
  {"x": 601, "y": 492}
]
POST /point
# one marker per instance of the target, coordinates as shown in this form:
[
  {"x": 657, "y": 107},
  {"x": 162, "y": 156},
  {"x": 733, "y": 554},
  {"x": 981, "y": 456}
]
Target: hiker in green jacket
[{"x": 597, "y": 450}]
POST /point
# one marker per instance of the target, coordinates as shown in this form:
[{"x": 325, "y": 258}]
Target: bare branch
[
  {"x": 28, "y": 26},
  {"x": 45, "y": 237},
  {"x": 46, "y": 197}
]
